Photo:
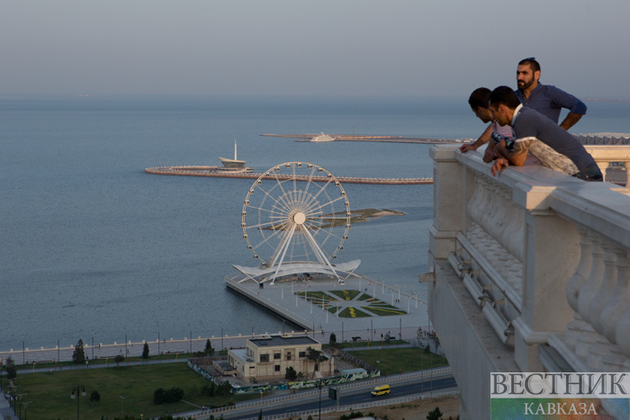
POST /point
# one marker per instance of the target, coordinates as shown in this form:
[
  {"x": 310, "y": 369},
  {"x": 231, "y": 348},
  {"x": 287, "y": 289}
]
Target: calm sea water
[{"x": 94, "y": 247}]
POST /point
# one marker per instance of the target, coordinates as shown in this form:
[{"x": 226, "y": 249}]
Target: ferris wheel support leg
[
  {"x": 319, "y": 251},
  {"x": 286, "y": 239},
  {"x": 284, "y": 251}
]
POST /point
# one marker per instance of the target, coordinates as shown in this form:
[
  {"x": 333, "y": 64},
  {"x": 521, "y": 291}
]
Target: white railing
[{"x": 545, "y": 255}]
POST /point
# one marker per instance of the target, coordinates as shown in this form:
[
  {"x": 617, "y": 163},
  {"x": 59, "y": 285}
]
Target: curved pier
[{"x": 212, "y": 171}]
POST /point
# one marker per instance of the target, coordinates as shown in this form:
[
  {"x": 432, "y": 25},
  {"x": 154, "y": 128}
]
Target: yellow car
[{"x": 380, "y": 390}]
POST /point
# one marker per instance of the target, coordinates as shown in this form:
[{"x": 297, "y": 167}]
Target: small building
[{"x": 268, "y": 358}]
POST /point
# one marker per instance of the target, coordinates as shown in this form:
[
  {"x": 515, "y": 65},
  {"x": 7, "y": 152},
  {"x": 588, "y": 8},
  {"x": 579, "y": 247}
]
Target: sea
[{"x": 95, "y": 248}]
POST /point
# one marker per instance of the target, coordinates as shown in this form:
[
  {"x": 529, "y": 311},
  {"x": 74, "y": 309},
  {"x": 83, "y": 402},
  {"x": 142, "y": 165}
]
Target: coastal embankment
[{"x": 214, "y": 171}]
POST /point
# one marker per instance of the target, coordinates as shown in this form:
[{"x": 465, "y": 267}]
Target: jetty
[
  {"x": 384, "y": 139},
  {"x": 215, "y": 171}
]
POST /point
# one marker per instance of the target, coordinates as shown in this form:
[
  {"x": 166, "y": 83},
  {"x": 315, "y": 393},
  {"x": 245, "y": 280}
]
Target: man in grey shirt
[
  {"x": 529, "y": 127},
  {"x": 546, "y": 99}
]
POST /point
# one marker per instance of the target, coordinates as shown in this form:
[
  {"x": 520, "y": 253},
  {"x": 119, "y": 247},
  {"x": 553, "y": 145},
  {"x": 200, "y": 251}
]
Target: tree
[
  {"x": 95, "y": 396},
  {"x": 11, "y": 370},
  {"x": 145, "y": 351},
  {"x": 290, "y": 374},
  {"x": 354, "y": 340},
  {"x": 209, "y": 349},
  {"x": 435, "y": 414},
  {"x": 79, "y": 354},
  {"x": 437, "y": 342},
  {"x": 316, "y": 357},
  {"x": 332, "y": 342},
  {"x": 119, "y": 358},
  {"x": 260, "y": 415}
]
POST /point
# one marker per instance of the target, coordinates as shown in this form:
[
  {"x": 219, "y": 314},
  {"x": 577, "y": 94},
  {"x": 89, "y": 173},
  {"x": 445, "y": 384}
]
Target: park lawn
[
  {"x": 351, "y": 312},
  {"x": 348, "y": 344},
  {"x": 316, "y": 296},
  {"x": 50, "y": 391},
  {"x": 110, "y": 361},
  {"x": 346, "y": 294},
  {"x": 392, "y": 361}
]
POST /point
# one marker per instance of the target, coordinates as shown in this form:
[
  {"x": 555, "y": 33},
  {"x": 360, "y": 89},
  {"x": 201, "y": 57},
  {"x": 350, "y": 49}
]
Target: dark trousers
[{"x": 590, "y": 173}]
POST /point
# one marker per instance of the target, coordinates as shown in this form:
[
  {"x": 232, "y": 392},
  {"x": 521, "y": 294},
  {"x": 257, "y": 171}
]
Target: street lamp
[
  {"x": 126, "y": 351},
  {"x": 122, "y": 406},
  {"x": 78, "y": 396},
  {"x": 19, "y": 403},
  {"x": 25, "y": 407}
]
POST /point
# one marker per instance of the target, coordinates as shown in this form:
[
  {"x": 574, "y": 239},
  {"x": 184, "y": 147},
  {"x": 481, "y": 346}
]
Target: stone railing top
[{"x": 602, "y": 206}]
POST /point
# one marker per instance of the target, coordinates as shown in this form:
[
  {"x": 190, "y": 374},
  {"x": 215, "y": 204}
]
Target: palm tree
[{"x": 316, "y": 357}]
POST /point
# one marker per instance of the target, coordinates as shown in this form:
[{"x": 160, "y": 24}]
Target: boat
[{"x": 322, "y": 138}]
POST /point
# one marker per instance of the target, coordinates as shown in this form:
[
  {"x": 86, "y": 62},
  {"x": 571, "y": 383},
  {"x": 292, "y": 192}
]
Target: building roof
[{"x": 279, "y": 341}]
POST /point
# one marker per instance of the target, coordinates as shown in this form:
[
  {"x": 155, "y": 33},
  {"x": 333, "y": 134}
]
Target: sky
[{"x": 338, "y": 48}]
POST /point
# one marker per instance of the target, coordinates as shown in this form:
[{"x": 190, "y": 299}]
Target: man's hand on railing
[
  {"x": 467, "y": 147},
  {"x": 499, "y": 165}
]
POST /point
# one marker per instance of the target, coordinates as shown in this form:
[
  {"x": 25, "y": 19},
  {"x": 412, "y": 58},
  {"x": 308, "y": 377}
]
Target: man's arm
[
  {"x": 480, "y": 141},
  {"x": 563, "y": 99},
  {"x": 517, "y": 155},
  {"x": 570, "y": 120}
]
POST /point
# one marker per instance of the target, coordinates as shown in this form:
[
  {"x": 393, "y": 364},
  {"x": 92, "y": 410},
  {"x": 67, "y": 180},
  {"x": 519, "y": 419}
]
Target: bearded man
[{"x": 546, "y": 99}]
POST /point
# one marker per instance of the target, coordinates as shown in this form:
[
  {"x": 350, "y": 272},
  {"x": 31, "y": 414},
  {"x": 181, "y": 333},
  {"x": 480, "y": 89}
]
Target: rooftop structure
[
  {"x": 530, "y": 271},
  {"x": 234, "y": 165}
]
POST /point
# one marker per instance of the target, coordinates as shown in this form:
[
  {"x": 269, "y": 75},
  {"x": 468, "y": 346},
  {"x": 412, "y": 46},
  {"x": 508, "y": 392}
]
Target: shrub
[
  {"x": 95, "y": 396},
  {"x": 145, "y": 351},
  {"x": 79, "y": 354},
  {"x": 160, "y": 396}
]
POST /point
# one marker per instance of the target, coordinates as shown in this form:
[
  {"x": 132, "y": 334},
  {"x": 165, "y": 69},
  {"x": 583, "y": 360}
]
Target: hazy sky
[{"x": 341, "y": 47}]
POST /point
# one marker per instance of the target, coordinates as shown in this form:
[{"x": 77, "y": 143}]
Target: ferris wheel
[{"x": 296, "y": 213}]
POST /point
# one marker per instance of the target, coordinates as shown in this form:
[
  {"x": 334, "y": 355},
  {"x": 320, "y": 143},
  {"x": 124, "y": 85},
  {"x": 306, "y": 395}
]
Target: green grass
[
  {"x": 392, "y": 361},
  {"x": 50, "y": 392},
  {"x": 110, "y": 361},
  {"x": 346, "y": 294},
  {"x": 364, "y": 296},
  {"x": 348, "y": 345},
  {"x": 352, "y": 313},
  {"x": 316, "y": 296}
]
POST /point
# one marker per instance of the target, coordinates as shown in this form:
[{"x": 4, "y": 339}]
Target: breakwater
[
  {"x": 214, "y": 171},
  {"x": 384, "y": 139}
]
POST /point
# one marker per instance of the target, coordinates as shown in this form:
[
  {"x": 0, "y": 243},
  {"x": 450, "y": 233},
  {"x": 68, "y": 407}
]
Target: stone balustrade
[
  {"x": 603, "y": 155},
  {"x": 542, "y": 259}
]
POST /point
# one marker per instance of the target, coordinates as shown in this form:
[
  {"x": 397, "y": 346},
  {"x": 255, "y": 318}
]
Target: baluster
[
  {"x": 622, "y": 332},
  {"x": 519, "y": 238},
  {"x": 588, "y": 291},
  {"x": 607, "y": 286},
  {"x": 575, "y": 284},
  {"x": 512, "y": 224},
  {"x": 474, "y": 204},
  {"x": 598, "y": 304},
  {"x": 615, "y": 308}
]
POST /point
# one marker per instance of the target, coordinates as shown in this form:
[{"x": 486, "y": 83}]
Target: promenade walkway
[{"x": 284, "y": 299}]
